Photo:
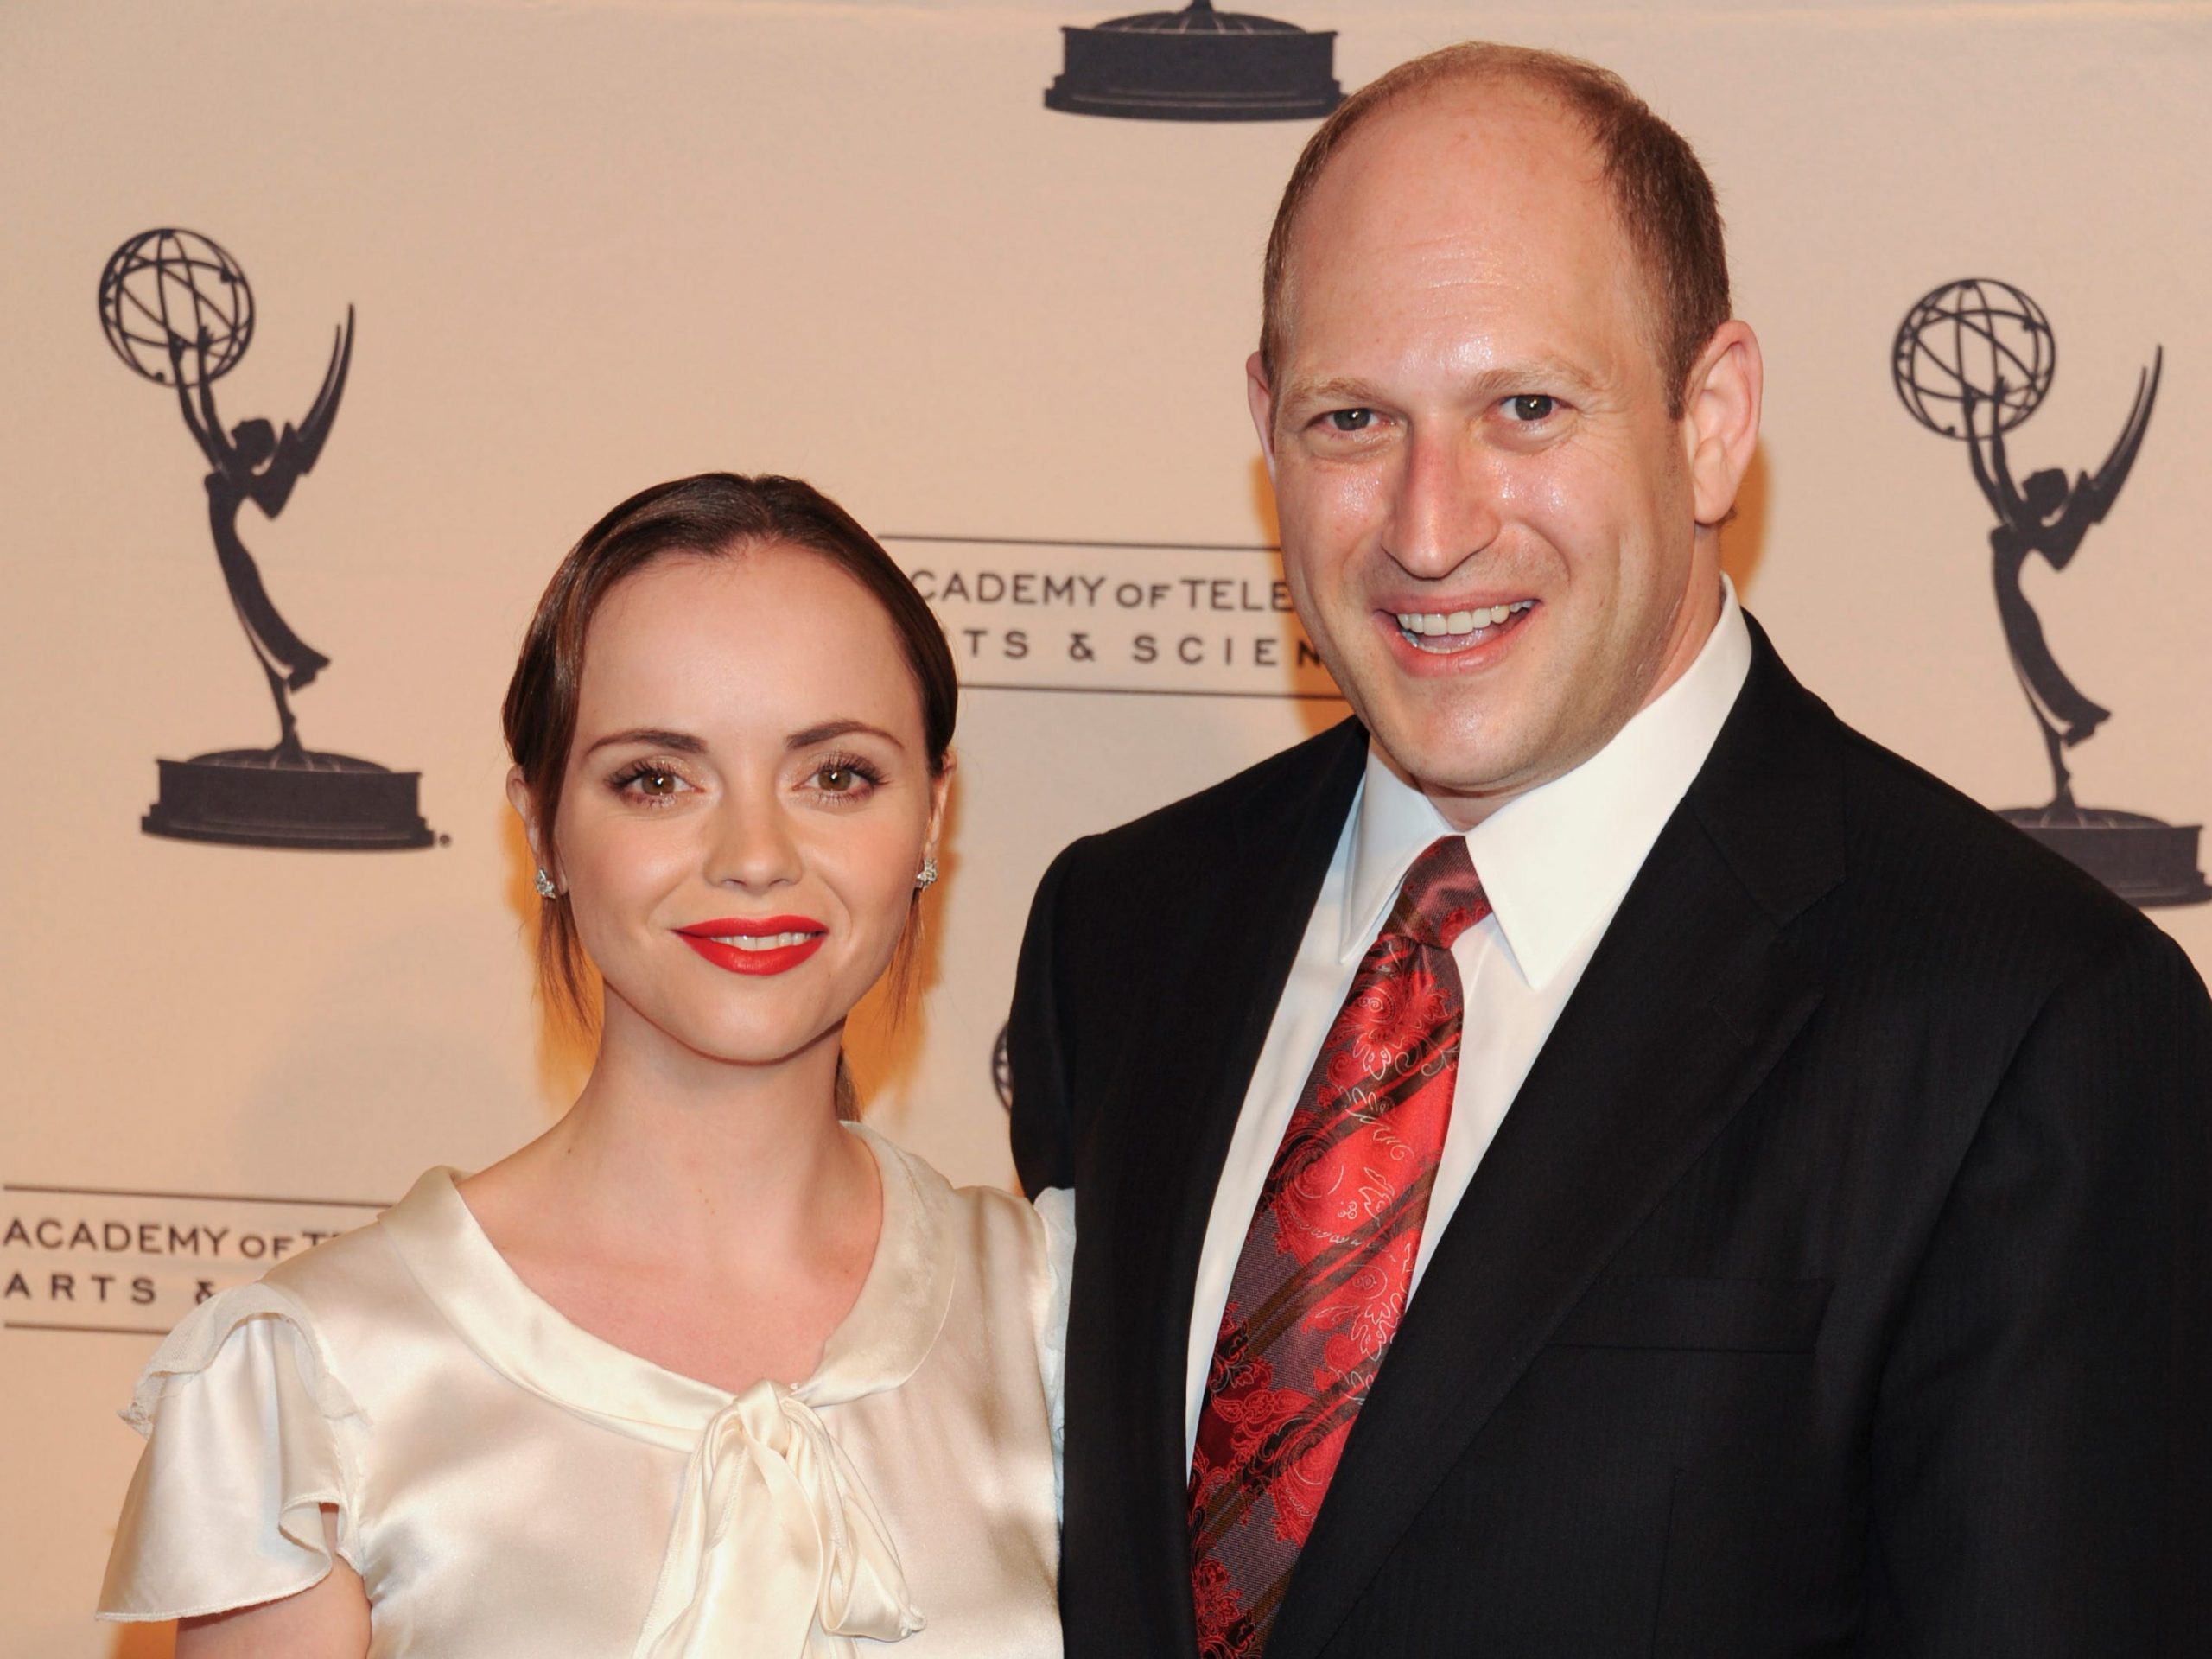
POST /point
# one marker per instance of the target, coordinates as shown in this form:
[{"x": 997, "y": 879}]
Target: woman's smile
[{"x": 774, "y": 945}]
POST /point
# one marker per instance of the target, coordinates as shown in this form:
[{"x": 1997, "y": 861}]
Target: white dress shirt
[{"x": 1556, "y": 862}]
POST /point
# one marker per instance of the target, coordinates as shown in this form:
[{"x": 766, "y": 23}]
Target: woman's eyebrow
[
  {"x": 652, "y": 737},
  {"x": 832, "y": 728}
]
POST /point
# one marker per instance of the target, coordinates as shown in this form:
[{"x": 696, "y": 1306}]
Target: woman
[{"x": 705, "y": 1369}]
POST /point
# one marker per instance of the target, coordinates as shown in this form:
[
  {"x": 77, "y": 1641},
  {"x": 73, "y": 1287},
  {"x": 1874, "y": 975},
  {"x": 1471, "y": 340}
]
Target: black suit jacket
[{"x": 1840, "y": 1281}]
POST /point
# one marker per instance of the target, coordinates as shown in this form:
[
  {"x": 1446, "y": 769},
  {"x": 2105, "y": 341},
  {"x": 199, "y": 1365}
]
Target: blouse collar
[{"x": 879, "y": 1344}]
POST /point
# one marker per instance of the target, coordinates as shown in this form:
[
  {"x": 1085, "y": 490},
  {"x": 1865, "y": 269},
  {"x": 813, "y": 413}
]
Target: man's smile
[{"x": 1445, "y": 633}]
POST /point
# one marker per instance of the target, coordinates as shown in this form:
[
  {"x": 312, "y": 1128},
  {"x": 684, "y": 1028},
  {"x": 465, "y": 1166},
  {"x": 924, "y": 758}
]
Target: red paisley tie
[{"x": 1321, "y": 1283}]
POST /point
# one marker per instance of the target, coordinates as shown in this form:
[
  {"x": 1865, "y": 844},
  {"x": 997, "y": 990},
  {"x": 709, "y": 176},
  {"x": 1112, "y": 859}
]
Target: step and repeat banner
[{"x": 334, "y": 323}]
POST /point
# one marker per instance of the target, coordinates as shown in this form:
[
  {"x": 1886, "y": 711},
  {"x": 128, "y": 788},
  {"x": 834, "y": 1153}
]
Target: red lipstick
[{"x": 710, "y": 940}]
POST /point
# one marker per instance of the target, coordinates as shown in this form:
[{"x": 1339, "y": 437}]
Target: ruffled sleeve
[
  {"x": 247, "y": 1436},
  {"x": 1056, "y": 1205}
]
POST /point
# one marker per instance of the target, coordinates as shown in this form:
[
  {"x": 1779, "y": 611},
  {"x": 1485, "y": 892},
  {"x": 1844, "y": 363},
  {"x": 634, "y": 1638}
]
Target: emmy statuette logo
[
  {"x": 1973, "y": 360},
  {"x": 177, "y": 310},
  {"x": 1197, "y": 65}
]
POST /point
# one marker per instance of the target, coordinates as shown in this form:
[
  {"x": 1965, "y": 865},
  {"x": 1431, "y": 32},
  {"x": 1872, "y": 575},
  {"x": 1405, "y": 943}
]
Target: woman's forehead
[{"x": 764, "y": 638}]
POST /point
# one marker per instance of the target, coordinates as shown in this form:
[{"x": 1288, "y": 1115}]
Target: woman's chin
[
  {"x": 689, "y": 1004},
  {"x": 758, "y": 1047}
]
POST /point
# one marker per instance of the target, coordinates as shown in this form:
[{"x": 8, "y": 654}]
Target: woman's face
[{"x": 747, "y": 801}]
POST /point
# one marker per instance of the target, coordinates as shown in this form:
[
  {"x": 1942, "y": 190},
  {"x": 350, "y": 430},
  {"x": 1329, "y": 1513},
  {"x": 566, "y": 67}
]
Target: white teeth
[
  {"x": 1428, "y": 624},
  {"x": 764, "y": 941}
]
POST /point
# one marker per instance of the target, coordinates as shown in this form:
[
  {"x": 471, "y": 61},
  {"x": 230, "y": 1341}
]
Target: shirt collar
[{"x": 1556, "y": 861}]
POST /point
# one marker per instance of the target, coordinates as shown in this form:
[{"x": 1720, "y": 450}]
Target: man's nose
[
  {"x": 753, "y": 846},
  {"x": 1447, "y": 507}
]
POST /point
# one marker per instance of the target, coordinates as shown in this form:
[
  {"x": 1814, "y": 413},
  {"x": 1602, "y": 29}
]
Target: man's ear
[
  {"x": 1262, "y": 399},
  {"x": 1720, "y": 418}
]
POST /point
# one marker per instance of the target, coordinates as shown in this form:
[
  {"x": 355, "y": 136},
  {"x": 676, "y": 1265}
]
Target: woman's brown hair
[{"x": 712, "y": 515}]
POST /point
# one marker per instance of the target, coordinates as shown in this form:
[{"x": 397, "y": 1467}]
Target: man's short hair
[{"x": 1661, "y": 197}]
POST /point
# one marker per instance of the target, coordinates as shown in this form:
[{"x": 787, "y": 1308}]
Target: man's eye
[
  {"x": 1530, "y": 406},
  {"x": 1352, "y": 420}
]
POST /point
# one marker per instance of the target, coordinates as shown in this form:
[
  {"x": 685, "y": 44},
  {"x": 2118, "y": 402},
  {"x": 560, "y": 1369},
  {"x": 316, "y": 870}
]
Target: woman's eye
[
  {"x": 852, "y": 780},
  {"x": 1352, "y": 420},
  {"x": 1530, "y": 406},
  {"x": 650, "y": 783}
]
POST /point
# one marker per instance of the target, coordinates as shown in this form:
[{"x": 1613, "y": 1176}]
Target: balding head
[
  {"x": 1502, "y": 439},
  {"x": 1661, "y": 201}
]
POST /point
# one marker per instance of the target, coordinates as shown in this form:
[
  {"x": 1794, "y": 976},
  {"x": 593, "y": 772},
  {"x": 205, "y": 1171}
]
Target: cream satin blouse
[{"x": 507, "y": 1483}]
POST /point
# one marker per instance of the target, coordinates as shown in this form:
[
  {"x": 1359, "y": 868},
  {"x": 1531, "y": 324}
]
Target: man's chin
[
  {"x": 1438, "y": 735},
  {"x": 1451, "y": 763}
]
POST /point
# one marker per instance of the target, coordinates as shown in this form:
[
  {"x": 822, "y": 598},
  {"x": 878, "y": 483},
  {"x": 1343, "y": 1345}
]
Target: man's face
[{"x": 1487, "y": 516}]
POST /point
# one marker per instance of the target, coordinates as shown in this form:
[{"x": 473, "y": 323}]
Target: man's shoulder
[
  {"x": 1951, "y": 876},
  {"x": 1865, "y": 855},
  {"x": 1274, "y": 795}
]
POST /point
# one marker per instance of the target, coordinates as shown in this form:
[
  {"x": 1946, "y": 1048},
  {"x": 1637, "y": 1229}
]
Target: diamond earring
[
  {"x": 928, "y": 877},
  {"x": 545, "y": 887}
]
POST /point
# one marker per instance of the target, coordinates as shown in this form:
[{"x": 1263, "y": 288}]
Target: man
[{"x": 1593, "y": 1157}]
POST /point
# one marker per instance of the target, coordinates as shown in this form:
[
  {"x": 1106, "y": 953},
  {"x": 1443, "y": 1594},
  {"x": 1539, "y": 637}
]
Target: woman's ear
[
  {"x": 940, "y": 792},
  {"x": 525, "y": 806}
]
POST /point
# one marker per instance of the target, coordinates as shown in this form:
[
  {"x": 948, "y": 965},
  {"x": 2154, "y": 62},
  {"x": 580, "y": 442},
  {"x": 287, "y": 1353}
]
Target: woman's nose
[{"x": 753, "y": 846}]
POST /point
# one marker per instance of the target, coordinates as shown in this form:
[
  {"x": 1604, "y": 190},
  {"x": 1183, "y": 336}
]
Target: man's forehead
[
  {"x": 1485, "y": 201},
  {"x": 1480, "y": 152}
]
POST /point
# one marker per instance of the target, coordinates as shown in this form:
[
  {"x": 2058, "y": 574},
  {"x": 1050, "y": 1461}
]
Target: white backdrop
[{"x": 598, "y": 244}]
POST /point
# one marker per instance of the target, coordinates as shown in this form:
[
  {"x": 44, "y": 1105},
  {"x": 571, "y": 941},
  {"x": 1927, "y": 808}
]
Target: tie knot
[{"x": 1441, "y": 898}]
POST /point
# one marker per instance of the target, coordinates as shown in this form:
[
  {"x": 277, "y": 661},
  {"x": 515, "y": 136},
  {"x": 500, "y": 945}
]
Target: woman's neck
[
  {"x": 668, "y": 1151},
  {"x": 714, "y": 1219}
]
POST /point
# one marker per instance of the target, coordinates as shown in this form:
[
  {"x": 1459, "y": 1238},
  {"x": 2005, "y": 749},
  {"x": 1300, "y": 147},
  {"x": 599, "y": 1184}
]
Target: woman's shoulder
[
  {"x": 311, "y": 1307},
  {"x": 361, "y": 1301},
  {"x": 251, "y": 1433},
  {"x": 258, "y": 1410},
  {"x": 1017, "y": 1259},
  {"x": 986, "y": 1218},
  {"x": 358, "y": 1262},
  {"x": 361, "y": 1272},
  {"x": 1012, "y": 1252}
]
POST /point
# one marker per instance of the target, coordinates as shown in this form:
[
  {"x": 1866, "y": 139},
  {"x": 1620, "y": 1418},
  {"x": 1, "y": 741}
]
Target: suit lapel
[
  {"x": 1688, "y": 1003},
  {"x": 1178, "y": 1093}
]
